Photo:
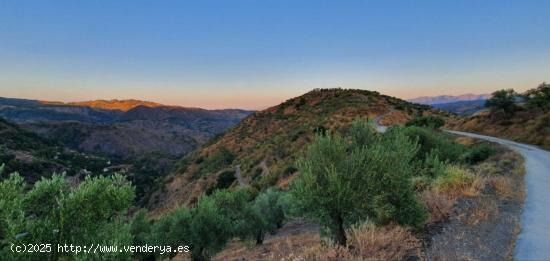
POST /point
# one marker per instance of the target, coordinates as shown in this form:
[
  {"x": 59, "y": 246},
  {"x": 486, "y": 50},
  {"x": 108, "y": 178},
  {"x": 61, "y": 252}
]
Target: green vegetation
[
  {"x": 53, "y": 212},
  {"x": 430, "y": 121},
  {"x": 344, "y": 180},
  {"x": 214, "y": 221},
  {"x": 503, "y": 100},
  {"x": 433, "y": 142},
  {"x": 341, "y": 184},
  {"x": 539, "y": 97},
  {"x": 478, "y": 153},
  {"x": 220, "y": 159},
  {"x": 521, "y": 117}
]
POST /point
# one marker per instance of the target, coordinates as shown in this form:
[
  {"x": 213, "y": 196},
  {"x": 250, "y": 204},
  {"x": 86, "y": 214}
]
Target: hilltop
[{"x": 262, "y": 149}]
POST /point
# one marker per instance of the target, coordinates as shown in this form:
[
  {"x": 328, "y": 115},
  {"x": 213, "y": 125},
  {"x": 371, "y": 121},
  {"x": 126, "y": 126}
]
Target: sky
[{"x": 255, "y": 54}]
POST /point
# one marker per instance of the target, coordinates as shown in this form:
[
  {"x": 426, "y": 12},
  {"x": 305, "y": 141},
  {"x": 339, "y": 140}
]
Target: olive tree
[{"x": 346, "y": 180}]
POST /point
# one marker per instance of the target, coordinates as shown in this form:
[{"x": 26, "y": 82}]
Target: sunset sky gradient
[{"x": 255, "y": 54}]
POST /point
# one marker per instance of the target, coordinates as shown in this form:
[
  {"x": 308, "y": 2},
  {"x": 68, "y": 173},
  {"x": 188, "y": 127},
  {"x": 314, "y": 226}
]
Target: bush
[
  {"x": 436, "y": 143},
  {"x": 478, "y": 154},
  {"x": 225, "y": 179},
  {"x": 429, "y": 121},
  {"x": 220, "y": 159},
  {"x": 271, "y": 207}
]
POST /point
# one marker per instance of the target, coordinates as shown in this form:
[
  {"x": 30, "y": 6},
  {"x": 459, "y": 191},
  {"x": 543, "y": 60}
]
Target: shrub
[
  {"x": 225, "y": 179},
  {"x": 220, "y": 159},
  {"x": 429, "y": 121},
  {"x": 478, "y": 153},
  {"x": 271, "y": 207},
  {"x": 432, "y": 142},
  {"x": 432, "y": 166}
]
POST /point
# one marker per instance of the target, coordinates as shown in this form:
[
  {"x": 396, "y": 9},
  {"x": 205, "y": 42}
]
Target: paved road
[{"x": 533, "y": 242}]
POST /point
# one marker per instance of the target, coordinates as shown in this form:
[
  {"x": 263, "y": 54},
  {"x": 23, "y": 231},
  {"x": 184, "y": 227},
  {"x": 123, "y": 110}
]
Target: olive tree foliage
[
  {"x": 217, "y": 218},
  {"x": 502, "y": 100},
  {"x": 270, "y": 208},
  {"x": 362, "y": 176},
  {"x": 53, "y": 213},
  {"x": 539, "y": 97}
]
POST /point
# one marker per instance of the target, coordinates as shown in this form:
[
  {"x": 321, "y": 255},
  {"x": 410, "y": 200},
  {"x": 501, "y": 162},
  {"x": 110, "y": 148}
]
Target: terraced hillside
[{"x": 261, "y": 150}]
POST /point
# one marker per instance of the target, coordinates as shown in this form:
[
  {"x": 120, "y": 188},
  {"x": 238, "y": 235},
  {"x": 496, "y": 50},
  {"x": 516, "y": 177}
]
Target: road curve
[{"x": 533, "y": 242}]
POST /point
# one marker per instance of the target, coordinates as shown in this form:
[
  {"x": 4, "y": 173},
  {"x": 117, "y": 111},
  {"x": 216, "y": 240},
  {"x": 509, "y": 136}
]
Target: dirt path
[
  {"x": 265, "y": 169},
  {"x": 242, "y": 183},
  {"x": 380, "y": 128},
  {"x": 532, "y": 242}
]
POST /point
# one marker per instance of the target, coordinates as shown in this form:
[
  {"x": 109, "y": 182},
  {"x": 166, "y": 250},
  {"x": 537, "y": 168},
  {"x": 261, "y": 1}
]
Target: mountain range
[
  {"x": 430, "y": 100},
  {"x": 123, "y": 128}
]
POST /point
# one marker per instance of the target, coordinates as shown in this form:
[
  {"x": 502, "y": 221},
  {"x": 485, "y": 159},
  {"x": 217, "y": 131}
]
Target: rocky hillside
[{"x": 262, "y": 149}]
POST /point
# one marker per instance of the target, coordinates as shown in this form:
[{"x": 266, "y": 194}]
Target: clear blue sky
[{"x": 253, "y": 54}]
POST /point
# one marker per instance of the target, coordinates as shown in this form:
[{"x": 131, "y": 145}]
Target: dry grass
[
  {"x": 503, "y": 186},
  {"x": 465, "y": 140},
  {"x": 366, "y": 242},
  {"x": 439, "y": 206},
  {"x": 291, "y": 247},
  {"x": 458, "y": 182},
  {"x": 484, "y": 209},
  {"x": 369, "y": 242}
]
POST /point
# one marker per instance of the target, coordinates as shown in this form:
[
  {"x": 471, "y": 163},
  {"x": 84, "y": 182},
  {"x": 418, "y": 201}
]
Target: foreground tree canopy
[{"x": 361, "y": 176}]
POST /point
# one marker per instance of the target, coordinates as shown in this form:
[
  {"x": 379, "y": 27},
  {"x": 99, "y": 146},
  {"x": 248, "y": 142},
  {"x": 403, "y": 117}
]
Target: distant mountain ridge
[
  {"x": 122, "y": 105},
  {"x": 430, "y": 100},
  {"x": 462, "y": 107},
  {"x": 123, "y": 128}
]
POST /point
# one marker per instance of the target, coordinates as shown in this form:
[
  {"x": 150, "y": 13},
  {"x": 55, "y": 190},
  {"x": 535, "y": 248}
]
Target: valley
[{"x": 145, "y": 138}]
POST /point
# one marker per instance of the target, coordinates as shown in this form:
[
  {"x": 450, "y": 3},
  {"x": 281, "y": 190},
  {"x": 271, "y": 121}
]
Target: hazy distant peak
[{"x": 449, "y": 98}]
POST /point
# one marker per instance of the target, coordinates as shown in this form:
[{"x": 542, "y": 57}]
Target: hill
[
  {"x": 430, "y": 100},
  {"x": 262, "y": 149}
]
